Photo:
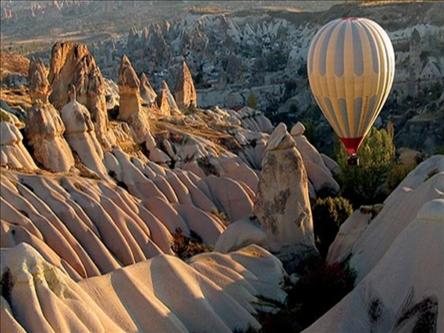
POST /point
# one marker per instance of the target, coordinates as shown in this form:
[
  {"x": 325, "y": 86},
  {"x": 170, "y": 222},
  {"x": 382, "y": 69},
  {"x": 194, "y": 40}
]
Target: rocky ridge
[{"x": 90, "y": 207}]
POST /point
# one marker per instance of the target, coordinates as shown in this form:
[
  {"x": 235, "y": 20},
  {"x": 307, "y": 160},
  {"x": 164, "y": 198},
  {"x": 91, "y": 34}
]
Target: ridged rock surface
[
  {"x": 71, "y": 63},
  {"x": 404, "y": 290},
  {"x": 80, "y": 134},
  {"x": 424, "y": 183},
  {"x": 163, "y": 294},
  {"x": 282, "y": 204},
  {"x": 13, "y": 153}
]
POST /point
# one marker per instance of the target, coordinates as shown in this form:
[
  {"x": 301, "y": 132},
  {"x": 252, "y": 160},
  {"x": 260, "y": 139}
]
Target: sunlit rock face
[
  {"x": 13, "y": 153},
  {"x": 396, "y": 250},
  {"x": 319, "y": 174},
  {"x": 129, "y": 90},
  {"x": 167, "y": 103},
  {"x": 184, "y": 91},
  {"x": 81, "y": 136},
  {"x": 282, "y": 203},
  {"x": 71, "y": 63},
  {"x": 164, "y": 293},
  {"x": 39, "y": 88},
  {"x": 147, "y": 92},
  {"x": 44, "y": 127},
  {"x": 404, "y": 290}
]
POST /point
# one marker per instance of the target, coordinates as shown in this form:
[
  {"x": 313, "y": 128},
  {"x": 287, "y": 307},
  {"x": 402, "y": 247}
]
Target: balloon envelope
[{"x": 351, "y": 66}]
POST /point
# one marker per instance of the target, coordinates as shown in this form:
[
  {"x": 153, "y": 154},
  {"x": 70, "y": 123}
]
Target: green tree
[
  {"x": 328, "y": 215},
  {"x": 365, "y": 184}
]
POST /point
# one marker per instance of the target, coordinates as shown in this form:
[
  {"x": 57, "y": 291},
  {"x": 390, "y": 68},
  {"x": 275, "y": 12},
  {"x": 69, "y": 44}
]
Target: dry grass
[
  {"x": 16, "y": 97},
  {"x": 13, "y": 63}
]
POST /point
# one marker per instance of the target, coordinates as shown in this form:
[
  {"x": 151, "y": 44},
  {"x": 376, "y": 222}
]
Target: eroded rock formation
[
  {"x": 44, "y": 127},
  {"x": 184, "y": 91},
  {"x": 71, "y": 63},
  {"x": 13, "y": 153},
  {"x": 167, "y": 103},
  {"x": 282, "y": 203},
  {"x": 147, "y": 92},
  {"x": 163, "y": 294},
  {"x": 81, "y": 136},
  {"x": 129, "y": 90}
]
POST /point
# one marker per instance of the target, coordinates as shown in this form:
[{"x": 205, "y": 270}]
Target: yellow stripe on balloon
[{"x": 351, "y": 70}]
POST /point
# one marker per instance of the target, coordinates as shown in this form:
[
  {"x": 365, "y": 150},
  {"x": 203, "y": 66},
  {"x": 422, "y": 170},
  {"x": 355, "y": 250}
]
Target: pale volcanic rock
[
  {"x": 239, "y": 234},
  {"x": 184, "y": 91},
  {"x": 72, "y": 63},
  {"x": 44, "y": 127},
  {"x": 131, "y": 111},
  {"x": 297, "y": 129},
  {"x": 44, "y": 130},
  {"x": 318, "y": 173},
  {"x": 166, "y": 102},
  {"x": 94, "y": 226},
  {"x": 147, "y": 92},
  {"x": 163, "y": 294},
  {"x": 331, "y": 164},
  {"x": 230, "y": 197},
  {"x": 240, "y": 171},
  {"x": 424, "y": 183},
  {"x": 81, "y": 136},
  {"x": 13, "y": 153},
  {"x": 404, "y": 289},
  {"x": 209, "y": 228},
  {"x": 349, "y": 232},
  {"x": 10, "y": 117},
  {"x": 111, "y": 94},
  {"x": 129, "y": 85},
  {"x": 39, "y": 88},
  {"x": 254, "y": 120},
  {"x": 38, "y": 294},
  {"x": 282, "y": 203}
]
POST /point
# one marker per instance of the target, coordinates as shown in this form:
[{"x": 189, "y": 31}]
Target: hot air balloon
[{"x": 351, "y": 65}]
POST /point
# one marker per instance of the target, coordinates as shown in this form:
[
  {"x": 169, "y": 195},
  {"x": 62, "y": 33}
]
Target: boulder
[{"x": 282, "y": 203}]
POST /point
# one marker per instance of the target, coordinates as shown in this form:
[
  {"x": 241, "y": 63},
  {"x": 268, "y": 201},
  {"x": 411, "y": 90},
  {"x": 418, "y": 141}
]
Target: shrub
[
  {"x": 363, "y": 184},
  {"x": 397, "y": 173},
  {"x": 328, "y": 215},
  {"x": 186, "y": 247},
  {"x": 319, "y": 288},
  {"x": 251, "y": 101}
]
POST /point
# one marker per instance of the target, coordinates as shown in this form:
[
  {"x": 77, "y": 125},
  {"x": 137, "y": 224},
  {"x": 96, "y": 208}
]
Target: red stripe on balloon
[{"x": 351, "y": 144}]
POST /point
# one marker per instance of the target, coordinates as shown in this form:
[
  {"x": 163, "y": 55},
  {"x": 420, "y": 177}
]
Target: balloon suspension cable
[{"x": 353, "y": 160}]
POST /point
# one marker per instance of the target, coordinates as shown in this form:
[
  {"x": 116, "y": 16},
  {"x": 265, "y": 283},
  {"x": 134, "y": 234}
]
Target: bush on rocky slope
[
  {"x": 186, "y": 247},
  {"x": 328, "y": 215},
  {"x": 319, "y": 287}
]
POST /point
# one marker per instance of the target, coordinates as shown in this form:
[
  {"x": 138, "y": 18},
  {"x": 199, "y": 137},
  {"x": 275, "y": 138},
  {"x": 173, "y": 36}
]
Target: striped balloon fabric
[{"x": 351, "y": 65}]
